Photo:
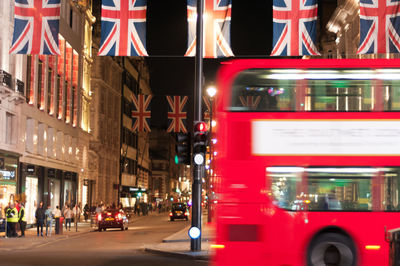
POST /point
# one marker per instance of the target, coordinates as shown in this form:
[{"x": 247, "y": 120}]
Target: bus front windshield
[
  {"x": 333, "y": 90},
  {"x": 334, "y": 189}
]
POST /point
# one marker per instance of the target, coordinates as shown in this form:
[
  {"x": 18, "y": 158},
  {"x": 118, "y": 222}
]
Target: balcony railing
[{"x": 12, "y": 90}]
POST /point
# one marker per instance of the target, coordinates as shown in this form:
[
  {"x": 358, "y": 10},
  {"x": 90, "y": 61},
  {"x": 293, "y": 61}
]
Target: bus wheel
[{"x": 331, "y": 249}]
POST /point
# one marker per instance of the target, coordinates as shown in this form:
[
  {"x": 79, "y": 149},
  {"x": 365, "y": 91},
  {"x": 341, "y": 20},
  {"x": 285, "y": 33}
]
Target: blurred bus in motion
[{"x": 309, "y": 161}]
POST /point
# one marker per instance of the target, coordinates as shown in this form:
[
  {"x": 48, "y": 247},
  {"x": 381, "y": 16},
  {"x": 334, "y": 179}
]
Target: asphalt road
[{"x": 112, "y": 247}]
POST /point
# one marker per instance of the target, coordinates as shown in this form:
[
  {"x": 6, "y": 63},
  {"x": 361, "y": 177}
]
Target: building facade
[
  {"x": 45, "y": 110},
  {"x": 344, "y": 24},
  {"x": 119, "y": 166}
]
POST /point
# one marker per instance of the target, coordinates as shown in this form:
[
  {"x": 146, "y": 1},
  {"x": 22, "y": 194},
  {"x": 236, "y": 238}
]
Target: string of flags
[
  {"x": 123, "y": 27},
  {"x": 177, "y": 111}
]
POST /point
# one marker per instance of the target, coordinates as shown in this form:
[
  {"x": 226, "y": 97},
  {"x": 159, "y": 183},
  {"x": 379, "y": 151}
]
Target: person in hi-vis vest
[
  {"x": 12, "y": 220},
  {"x": 22, "y": 219}
]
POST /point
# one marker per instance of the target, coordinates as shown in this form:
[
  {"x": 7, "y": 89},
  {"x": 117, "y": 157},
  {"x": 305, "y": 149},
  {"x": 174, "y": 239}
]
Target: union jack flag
[
  {"x": 379, "y": 26},
  {"x": 250, "y": 101},
  {"x": 177, "y": 113},
  {"x": 141, "y": 113},
  {"x": 216, "y": 28},
  {"x": 294, "y": 27},
  {"x": 36, "y": 26},
  {"x": 123, "y": 28}
]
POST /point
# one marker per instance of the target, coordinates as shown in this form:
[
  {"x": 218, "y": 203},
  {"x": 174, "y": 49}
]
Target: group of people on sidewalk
[
  {"x": 15, "y": 214},
  {"x": 15, "y": 217},
  {"x": 46, "y": 217}
]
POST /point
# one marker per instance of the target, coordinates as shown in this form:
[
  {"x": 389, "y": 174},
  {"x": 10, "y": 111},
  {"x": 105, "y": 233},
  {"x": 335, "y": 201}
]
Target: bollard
[
  {"x": 5, "y": 228},
  {"x": 393, "y": 237}
]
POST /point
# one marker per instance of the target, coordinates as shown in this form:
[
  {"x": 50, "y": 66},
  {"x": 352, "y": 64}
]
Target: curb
[{"x": 198, "y": 255}]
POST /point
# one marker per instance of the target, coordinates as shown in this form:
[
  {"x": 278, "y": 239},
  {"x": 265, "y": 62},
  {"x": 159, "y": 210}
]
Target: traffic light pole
[{"x": 198, "y": 170}]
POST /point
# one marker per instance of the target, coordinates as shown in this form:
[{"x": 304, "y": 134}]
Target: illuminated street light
[{"x": 211, "y": 91}]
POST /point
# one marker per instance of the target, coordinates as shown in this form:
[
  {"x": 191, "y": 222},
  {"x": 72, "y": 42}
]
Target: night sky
[{"x": 173, "y": 74}]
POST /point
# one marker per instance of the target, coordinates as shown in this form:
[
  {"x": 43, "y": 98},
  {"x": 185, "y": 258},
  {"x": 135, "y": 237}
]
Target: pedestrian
[
  {"x": 68, "y": 216},
  {"x": 12, "y": 220},
  {"x": 98, "y": 209},
  {"x": 49, "y": 220},
  {"x": 77, "y": 213},
  {"x": 22, "y": 219},
  {"x": 57, "y": 215},
  {"x": 86, "y": 212},
  {"x": 40, "y": 217}
]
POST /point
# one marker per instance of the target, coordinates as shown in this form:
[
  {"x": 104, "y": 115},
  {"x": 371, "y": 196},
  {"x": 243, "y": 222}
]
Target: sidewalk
[
  {"x": 178, "y": 244},
  {"x": 32, "y": 240}
]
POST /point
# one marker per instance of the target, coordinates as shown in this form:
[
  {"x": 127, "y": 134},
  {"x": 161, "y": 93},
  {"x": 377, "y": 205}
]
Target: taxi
[{"x": 179, "y": 211}]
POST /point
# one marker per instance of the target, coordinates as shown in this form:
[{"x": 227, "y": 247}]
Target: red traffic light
[{"x": 200, "y": 127}]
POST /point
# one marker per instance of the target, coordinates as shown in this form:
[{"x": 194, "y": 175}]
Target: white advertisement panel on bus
[{"x": 326, "y": 137}]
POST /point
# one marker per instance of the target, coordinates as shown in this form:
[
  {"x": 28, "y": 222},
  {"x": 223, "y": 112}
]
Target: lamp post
[
  {"x": 198, "y": 169},
  {"x": 211, "y": 91}
]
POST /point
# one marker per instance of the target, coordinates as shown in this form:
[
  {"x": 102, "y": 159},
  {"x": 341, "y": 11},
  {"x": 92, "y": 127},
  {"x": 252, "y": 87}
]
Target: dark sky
[{"x": 173, "y": 74}]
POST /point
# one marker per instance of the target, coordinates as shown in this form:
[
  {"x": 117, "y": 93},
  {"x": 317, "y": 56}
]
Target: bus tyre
[{"x": 331, "y": 249}]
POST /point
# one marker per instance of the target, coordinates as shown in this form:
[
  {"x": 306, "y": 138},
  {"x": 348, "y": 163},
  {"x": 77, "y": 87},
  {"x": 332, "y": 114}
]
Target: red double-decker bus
[{"x": 308, "y": 161}]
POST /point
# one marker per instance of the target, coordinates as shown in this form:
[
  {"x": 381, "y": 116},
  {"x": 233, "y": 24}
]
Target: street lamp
[{"x": 211, "y": 91}]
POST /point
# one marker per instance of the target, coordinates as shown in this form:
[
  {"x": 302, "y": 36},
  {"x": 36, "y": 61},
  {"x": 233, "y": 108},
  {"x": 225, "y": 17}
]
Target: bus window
[
  {"x": 328, "y": 189},
  {"x": 334, "y": 90},
  {"x": 391, "y": 190},
  {"x": 392, "y": 95}
]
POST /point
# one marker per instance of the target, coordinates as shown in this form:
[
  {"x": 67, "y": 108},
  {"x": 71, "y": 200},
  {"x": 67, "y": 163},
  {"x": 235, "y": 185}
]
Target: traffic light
[
  {"x": 200, "y": 138},
  {"x": 182, "y": 148}
]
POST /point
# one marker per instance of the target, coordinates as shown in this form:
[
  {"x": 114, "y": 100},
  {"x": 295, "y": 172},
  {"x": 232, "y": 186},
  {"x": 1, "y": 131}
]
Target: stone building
[
  {"x": 44, "y": 109},
  {"x": 119, "y": 159},
  {"x": 345, "y": 25}
]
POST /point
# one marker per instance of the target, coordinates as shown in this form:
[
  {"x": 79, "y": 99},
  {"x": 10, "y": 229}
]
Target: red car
[{"x": 112, "y": 218}]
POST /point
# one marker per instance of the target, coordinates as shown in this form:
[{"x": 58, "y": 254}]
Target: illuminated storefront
[
  {"x": 131, "y": 195},
  {"x": 8, "y": 179},
  {"x": 52, "y": 186}
]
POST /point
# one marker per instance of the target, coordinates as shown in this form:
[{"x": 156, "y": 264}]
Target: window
[
  {"x": 57, "y": 95},
  {"x": 30, "y": 79},
  {"x": 49, "y": 87},
  {"x": 71, "y": 17},
  {"x": 335, "y": 188},
  {"x": 73, "y": 105},
  {"x": 10, "y": 128},
  {"x": 42, "y": 136},
  {"x": 335, "y": 90}
]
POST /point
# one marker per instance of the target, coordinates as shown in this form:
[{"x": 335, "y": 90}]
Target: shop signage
[
  {"x": 136, "y": 189},
  {"x": 51, "y": 173},
  {"x": 7, "y": 175},
  {"x": 30, "y": 169}
]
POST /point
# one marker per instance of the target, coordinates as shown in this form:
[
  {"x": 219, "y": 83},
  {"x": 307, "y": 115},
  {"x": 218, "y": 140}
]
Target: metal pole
[
  {"x": 210, "y": 165},
  {"x": 198, "y": 170}
]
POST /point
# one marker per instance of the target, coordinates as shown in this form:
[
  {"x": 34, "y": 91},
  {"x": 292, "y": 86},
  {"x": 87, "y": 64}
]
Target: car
[
  {"x": 179, "y": 211},
  {"x": 112, "y": 218}
]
